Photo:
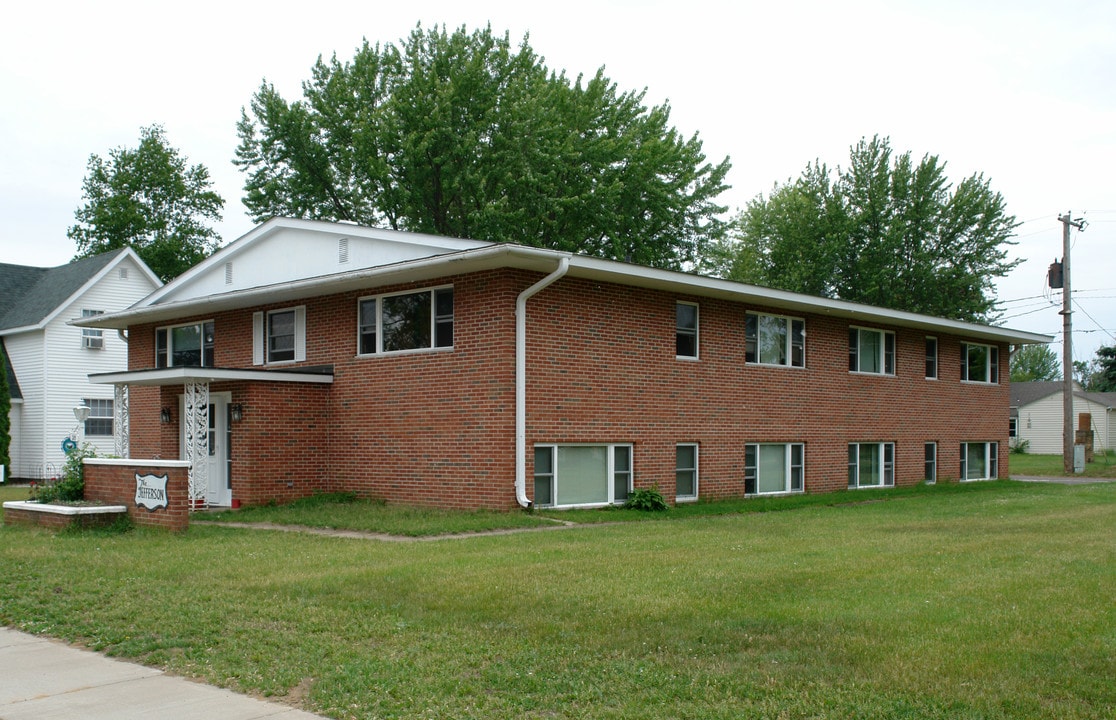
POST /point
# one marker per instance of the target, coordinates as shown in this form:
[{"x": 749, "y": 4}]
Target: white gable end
[{"x": 289, "y": 251}]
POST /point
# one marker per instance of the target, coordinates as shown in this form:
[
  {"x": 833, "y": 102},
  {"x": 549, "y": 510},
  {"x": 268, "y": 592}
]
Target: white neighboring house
[
  {"x": 1036, "y": 416},
  {"x": 50, "y": 360}
]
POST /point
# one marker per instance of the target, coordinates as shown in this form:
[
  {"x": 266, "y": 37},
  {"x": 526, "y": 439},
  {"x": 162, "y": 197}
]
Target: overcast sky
[{"x": 1023, "y": 92}]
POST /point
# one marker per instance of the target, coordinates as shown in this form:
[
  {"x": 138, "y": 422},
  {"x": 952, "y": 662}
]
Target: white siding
[
  {"x": 289, "y": 254},
  {"x": 25, "y": 354},
  {"x": 1041, "y": 424},
  {"x": 53, "y": 367}
]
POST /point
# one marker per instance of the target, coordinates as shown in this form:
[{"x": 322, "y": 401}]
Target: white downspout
[{"x": 521, "y": 379}]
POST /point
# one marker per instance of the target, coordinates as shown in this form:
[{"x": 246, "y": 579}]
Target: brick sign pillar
[{"x": 156, "y": 492}]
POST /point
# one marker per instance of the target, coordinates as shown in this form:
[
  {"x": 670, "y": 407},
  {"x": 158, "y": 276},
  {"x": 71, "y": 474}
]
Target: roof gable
[
  {"x": 33, "y": 296},
  {"x": 286, "y": 250}
]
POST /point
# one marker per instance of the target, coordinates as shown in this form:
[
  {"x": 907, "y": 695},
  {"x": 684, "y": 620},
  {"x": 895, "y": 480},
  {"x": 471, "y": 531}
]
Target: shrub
[
  {"x": 1019, "y": 445},
  {"x": 71, "y": 486},
  {"x": 649, "y": 499}
]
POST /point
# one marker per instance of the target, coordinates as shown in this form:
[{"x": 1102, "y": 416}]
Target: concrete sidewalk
[{"x": 44, "y": 679}]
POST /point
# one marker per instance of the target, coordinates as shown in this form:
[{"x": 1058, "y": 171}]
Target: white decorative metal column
[
  {"x": 120, "y": 427},
  {"x": 195, "y": 426}
]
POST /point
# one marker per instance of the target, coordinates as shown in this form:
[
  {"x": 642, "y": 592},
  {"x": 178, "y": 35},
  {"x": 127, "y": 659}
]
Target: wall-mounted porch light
[
  {"x": 165, "y": 416},
  {"x": 236, "y": 412}
]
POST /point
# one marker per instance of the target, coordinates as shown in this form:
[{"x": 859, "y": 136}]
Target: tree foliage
[
  {"x": 885, "y": 231},
  {"x": 460, "y": 134},
  {"x": 1035, "y": 363},
  {"x": 1098, "y": 374},
  {"x": 149, "y": 199}
]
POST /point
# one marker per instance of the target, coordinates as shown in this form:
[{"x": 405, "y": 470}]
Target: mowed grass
[
  {"x": 1103, "y": 465},
  {"x": 995, "y": 603},
  {"x": 344, "y": 511}
]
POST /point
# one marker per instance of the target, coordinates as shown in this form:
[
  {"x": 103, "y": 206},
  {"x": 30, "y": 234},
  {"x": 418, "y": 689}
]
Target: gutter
[{"x": 521, "y": 378}]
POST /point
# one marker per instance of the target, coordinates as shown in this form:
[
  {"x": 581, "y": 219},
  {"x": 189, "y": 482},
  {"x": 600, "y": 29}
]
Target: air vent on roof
[
  {"x": 343, "y": 250},
  {"x": 123, "y": 273},
  {"x": 228, "y": 273}
]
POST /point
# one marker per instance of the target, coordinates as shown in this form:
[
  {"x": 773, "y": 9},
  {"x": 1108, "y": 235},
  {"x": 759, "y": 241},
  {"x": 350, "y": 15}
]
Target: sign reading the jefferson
[{"x": 151, "y": 491}]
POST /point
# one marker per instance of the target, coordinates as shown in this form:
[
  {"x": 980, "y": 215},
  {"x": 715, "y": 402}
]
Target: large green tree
[
  {"x": 461, "y": 134},
  {"x": 1035, "y": 363},
  {"x": 886, "y": 231},
  {"x": 1099, "y": 374},
  {"x": 150, "y": 199}
]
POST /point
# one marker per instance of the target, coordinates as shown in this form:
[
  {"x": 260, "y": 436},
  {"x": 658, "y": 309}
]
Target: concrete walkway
[
  {"x": 44, "y": 679},
  {"x": 1078, "y": 480}
]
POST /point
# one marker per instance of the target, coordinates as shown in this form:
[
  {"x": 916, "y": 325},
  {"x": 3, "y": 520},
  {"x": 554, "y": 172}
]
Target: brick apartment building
[{"x": 315, "y": 357}]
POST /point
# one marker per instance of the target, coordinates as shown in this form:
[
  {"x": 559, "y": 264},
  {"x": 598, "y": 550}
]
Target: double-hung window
[
  {"x": 184, "y": 345},
  {"x": 930, "y": 464},
  {"x": 686, "y": 330},
  {"x": 871, "y": 351},
  {"x": 99, "y": 422},
  {"x": 871, "y": 465},
  {"x": 774, "y": 340},
  {"x": 980, "y": 363},
  {"x": 406, "y": 321},
  {"x": 773, "y": 468},
  {"x": 572, "y": 475},
  {"x": 980, "y": 461},
  {"x": 279, "y": 336},
  {"x": 91, "y": 338},
  {"x": 686, "y": 472},
  {"x": 931, "y": 358}
]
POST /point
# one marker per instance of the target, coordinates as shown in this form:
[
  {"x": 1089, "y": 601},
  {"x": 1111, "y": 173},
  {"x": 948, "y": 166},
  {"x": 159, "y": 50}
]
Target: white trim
[
  {"x": 183, "y": 374},
  {"x": 521, "y": 377},
  {"x": 32, "y": 506},
  {"x": 463, "y": 256},
  {"x": 133, "y": 462}
]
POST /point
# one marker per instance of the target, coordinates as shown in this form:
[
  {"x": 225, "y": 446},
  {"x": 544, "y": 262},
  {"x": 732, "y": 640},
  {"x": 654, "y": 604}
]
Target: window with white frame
[
  {"x": 931, "y": 358},
  {"x": 774, "y": 340},
  {"x": 686, "y": 471},
  {"x": 871, "y": 351},
  {"x": 773, "y": 468},
  {"x": 91, "y": 338},
  {"x": 279, "y": 336},
  {"x": 99, "y": 422},
  {"x": 1013, "y": 426},
  {"x": 980, "y": 363},
  {"x": 871, "y": 465},
  {"x": 686, "y": 330},
  {"x": 406, "y": 321},
  {"x": 980, "y": 461},
  {"x": 930, "y": 471},
  {"x": 184, "y": 345},
  {"x": 572, "y": 475}
]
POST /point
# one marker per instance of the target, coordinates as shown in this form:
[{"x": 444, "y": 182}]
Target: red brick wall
[
  {"x": 116, "y": 484},
  {"x": 437, "y": 428},
  {"x": 602, "y": 368}
]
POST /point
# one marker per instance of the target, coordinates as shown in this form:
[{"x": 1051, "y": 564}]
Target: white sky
[{"x": 1024, "y": 92}]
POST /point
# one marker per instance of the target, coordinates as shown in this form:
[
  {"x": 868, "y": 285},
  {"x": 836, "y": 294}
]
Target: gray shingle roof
[
  {"x": 1025, "y": 393},
  {"x": 30, "y": 294}
]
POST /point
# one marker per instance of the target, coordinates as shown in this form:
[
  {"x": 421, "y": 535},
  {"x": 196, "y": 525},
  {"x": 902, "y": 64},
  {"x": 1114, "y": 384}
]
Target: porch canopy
[{"x": 195, "y": 382}]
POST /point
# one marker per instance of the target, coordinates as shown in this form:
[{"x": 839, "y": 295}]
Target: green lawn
[
  {"x": 13, "y": 492},
  {"x": 1103, "y": 466},
  {"x": 987, "y": 603}
]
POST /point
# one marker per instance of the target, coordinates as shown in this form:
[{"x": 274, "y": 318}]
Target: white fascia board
[
  {"x": 493, "y": 256},
  {"x": 487, "y": 257},
  {"x": 180, "y": 375},
  {"x": 321, "y": 227},
  {"x": 671, "y": 281}
]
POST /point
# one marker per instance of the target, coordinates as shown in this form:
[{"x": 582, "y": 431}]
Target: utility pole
[{"x": 1067, "y": 344}]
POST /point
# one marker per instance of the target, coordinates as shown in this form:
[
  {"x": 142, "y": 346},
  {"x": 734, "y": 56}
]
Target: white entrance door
[{"x": 219, "y": 490}]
